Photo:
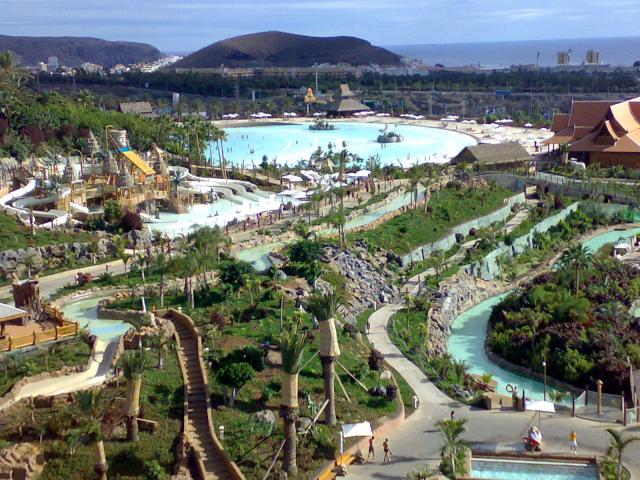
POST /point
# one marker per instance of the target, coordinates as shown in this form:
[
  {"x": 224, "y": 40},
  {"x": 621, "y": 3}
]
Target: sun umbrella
[{"x": 292, "y": 178}]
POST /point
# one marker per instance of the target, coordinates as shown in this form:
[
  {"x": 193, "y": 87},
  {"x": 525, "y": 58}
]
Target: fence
[
  {"x": 68, "y": 329},
  {"x": 611, "y": 407}
]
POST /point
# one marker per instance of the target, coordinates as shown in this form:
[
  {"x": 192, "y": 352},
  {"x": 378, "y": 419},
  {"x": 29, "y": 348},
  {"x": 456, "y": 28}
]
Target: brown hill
[
  {"x": 279, "y": 49},
  {"x": 73, "y": 51}
]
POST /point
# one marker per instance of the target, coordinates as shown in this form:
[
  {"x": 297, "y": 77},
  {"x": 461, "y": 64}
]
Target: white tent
[
  {"x": 363, "y": 173},
  {"x": 350, "y": 430},
  {"x": 528, "y": 125},
  {"x": 539, "y": 406}
]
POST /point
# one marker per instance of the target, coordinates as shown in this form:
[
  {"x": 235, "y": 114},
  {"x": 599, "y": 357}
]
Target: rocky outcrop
[
  {"x": 368, "y": 282},
  {"x": 50, "y": 257},
  {"x": 456, "y": 294}
]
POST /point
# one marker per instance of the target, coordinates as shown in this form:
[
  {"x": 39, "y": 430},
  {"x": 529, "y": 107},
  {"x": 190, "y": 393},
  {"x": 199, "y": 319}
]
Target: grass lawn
[
  {"x": 405, "y": 389},
  {"x": 161, "y": 401},
  {"x": 253, "y": 448},
  {"x": 14, "y": 235},
  {"x": 249, "y": 444},
  {"x": 449, "y": 207},
  {"x": 14, "y": 367}
]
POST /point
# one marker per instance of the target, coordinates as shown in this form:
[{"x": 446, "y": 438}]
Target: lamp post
[{"x": 544, "y": 365}]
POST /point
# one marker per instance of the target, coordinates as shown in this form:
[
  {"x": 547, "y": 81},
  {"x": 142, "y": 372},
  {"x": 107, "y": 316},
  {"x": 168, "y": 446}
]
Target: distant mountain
[
  {"x": 279, "y": 49},
  {"x": 73, "y": 51}
]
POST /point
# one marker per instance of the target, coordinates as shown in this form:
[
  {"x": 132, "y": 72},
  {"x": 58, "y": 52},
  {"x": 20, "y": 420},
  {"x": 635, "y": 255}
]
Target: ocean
[{"x": 614, "y": 51}]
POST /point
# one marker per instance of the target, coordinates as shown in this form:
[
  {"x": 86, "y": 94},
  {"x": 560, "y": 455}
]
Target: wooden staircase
[{"x": 211, "y": 460}]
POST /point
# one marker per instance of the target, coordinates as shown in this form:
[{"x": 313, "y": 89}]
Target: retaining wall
[{"x": 445, "y": 243}]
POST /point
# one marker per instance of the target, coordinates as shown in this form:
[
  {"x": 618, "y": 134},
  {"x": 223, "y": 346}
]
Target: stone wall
[
  {"x": 50, "y": 257},
  {"x": 488, "y": 268}
]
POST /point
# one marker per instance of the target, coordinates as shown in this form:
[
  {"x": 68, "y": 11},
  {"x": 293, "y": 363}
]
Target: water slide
[
  {"x": 19, "y": 203},
  {"x": 236, "y": 191}
]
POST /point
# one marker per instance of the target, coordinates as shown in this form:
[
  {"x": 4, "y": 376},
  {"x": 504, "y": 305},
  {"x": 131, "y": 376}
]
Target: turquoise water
[
  {"x": 469, "y": 329},
  {"x": 259, "y": 256},
  {"x": 466, "y": 343},
  {"x": 521, "y": 470},
  {"x": 86, "y": 314},
  {"x": 610, "y": 237},
  {"x": 287, "y": 144}
]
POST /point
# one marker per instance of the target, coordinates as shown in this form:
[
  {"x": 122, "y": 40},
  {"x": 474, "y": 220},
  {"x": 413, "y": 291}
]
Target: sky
[{"x": 187, "y": 25}]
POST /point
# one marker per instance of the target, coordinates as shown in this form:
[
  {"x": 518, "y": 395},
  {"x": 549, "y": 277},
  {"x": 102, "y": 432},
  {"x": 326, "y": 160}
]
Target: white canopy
[
  {"x": 292, "y": 178},
  {"x": 622, "y": 246},
  {"x": 539, "y": 406},
  {"x": 528, "y": 125},
  {"x": 363, "y": 173},
  {"x": 357, "y": 430}
]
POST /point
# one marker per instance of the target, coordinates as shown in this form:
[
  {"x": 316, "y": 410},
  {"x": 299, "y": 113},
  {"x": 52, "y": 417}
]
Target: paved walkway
[
  {"x": 95, "y": 375},
  {"x": 50, "y": 283},
  {"x": 418, "y": 440}
]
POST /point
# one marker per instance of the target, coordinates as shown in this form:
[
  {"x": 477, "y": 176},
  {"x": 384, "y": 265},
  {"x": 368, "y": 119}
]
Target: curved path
[{"x": 418, "y": 440}]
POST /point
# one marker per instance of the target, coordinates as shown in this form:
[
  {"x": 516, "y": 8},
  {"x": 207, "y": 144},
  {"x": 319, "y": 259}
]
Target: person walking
[
  {"x": 453, "y": 415},
  {"x": 387, "y": 451},
  {"x": 573, "y": 442},
  {"x": 368, "y": 326},
  {"x": 371, "y": 448}
]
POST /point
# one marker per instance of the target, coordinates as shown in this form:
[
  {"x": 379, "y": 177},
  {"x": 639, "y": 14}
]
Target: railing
[
  {"x": 69, "y": 329},
  {"x": 232, "y": 469}
]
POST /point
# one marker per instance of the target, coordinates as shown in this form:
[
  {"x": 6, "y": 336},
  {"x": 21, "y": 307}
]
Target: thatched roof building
[
  {"x": 143, "y": 109},
  {"x": 345, "y": 103},
  {"x": 498, "y": 155}
]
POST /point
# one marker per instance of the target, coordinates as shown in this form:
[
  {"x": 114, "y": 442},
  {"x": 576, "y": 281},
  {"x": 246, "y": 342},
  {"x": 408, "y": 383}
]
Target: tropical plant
[
  {"x": 133, "y": 364},
  {"x": 577, "y": 258},
  {"x": 293, "y": 343},
  {"x": 162, "y": 265},
  {"x": 91, "y": 405},
  {"x": 324, "y": 309},
  {"x": 453, "y": 445},
  {"x": 617, "y": 444},
  {"x": 233, "y": 376}
]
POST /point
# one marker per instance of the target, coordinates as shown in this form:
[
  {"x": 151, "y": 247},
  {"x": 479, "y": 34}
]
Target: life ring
[{"x": 509, "y": 388}]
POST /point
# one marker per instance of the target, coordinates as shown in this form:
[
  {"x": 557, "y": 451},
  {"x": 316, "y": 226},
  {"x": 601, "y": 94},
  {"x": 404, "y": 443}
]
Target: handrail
[{"x": 233, "y": 469}]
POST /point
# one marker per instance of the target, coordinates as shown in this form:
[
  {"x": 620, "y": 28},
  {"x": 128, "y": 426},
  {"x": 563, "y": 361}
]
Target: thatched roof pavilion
[{"x": 345, "y": 103}]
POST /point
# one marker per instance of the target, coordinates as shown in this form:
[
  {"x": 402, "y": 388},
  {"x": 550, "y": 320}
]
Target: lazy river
[
  {"x": 469, "y": 330},
  {"x": 287, "y": 144}
]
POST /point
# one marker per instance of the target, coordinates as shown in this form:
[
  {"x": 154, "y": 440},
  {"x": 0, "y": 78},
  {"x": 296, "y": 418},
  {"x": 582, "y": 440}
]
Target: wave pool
[{"x": 287, "y": 144}]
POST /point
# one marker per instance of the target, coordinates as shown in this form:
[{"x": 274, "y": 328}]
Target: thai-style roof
[
  {"x": 599, "y": 127},
  {"x": 493, "y": 154}
]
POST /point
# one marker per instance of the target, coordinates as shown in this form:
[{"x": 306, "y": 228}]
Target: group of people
[{"x": 385, "y": 448}]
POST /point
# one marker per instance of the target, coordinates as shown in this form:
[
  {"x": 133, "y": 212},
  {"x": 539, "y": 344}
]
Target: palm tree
[
  {"x": 617, "y": 444},
  {"x": 324, "y": 308},
  {"x": 412, "y": 187},
  {"x": 426, "y": 183},
  {"x": 160, "y": 340},
  {"x": 293, "y": 343},
  {"x": 86, "y": 98},
  {"x": 576, "y": 258},
  {"x": 90, "y": 403},
  {"x": 133, "y": 367},
  {"x": 162, "y": 266},
  {"x": 120, "y": 246},
  {"x": 452, "y": 443},
  {"x": 12, "y": 73}
]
